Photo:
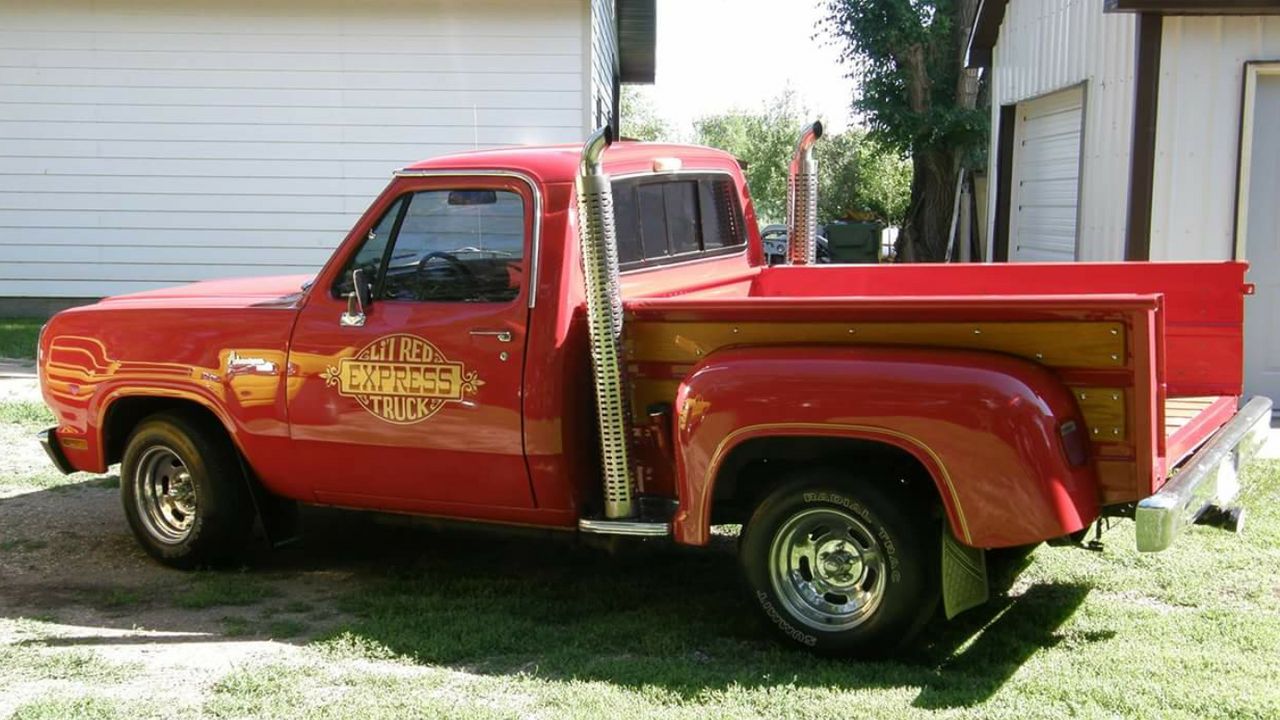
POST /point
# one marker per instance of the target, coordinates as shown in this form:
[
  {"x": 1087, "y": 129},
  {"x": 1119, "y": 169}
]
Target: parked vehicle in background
[
  {"x": 773, "y": 239},
  {"x": 591, "y": 340}
]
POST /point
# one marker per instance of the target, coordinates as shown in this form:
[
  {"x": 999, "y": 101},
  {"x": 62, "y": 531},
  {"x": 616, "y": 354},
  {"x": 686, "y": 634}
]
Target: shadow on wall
[{"x": 490, "y": 603}]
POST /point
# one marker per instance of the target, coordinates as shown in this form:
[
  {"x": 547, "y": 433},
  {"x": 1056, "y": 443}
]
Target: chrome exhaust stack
[
  {"x": 802, "y": 199},
  {"x": 597, "y": 238}
]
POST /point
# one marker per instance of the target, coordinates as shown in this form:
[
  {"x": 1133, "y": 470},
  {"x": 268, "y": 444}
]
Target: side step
[
  {"x": 633, "y": 528},
  {"x": 653, "y": 520}
]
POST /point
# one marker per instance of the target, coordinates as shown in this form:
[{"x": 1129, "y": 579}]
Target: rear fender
[{"x": 986, "y": 427}]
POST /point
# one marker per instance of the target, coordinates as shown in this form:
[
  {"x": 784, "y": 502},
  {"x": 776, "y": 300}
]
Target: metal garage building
[
  {"x": 150, "y": 142},
  {"x": 1139, "y": 129}
]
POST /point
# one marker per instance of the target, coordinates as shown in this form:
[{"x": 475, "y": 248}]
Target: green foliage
[
  {"x": 907, "y": 57},
  {"x": 218, "y": 589},
  {"x": 764, "y": 140},
  {"x": 640, "y": 118},
  {"x": 18, "y": 337},
  {"x": 857, "y": 176},
  {"x": 885, "y": 181},
  {"x": 26, "y": 413}
]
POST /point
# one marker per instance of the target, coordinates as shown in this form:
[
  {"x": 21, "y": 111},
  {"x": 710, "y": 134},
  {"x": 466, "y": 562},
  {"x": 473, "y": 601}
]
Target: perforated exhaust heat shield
[{"x": 597, "y": 238}]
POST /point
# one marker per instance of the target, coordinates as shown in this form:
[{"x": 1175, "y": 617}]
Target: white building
[
  {"x": 1139, "y": 129},
  {"x": 152, "y": 142}
]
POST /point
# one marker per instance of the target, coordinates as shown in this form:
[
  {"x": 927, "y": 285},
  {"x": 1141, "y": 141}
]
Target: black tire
[
  {"x": 184, "y": 491},
  {"x": 870, "y": 607}
]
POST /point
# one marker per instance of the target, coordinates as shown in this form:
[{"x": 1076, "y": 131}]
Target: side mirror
[{"x": 357, "y": 301}]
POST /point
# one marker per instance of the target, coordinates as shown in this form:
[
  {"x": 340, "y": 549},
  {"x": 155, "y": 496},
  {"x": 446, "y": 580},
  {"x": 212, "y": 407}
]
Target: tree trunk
[{"x": 933, "y": 187}]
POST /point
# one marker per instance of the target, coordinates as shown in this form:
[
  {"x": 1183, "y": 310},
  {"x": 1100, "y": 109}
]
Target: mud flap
[
  {"x": 279, "y": 516},
  {"x": 964, "y": 575}
]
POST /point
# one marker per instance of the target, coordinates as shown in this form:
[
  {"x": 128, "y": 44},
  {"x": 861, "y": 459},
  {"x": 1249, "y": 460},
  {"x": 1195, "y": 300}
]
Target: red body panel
[
  {"x": 257, "y": 353},
  {"x": 1203, "y": 302},
  {"x": 92, "y": 357},
  {"x": 986, "y": 427},
  {"x": 466, "y": 452}
]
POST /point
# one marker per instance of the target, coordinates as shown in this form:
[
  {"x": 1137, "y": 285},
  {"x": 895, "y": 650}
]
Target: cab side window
[
  {"x": 369, "y": 256},
  {"x": 450, "y": 246}
]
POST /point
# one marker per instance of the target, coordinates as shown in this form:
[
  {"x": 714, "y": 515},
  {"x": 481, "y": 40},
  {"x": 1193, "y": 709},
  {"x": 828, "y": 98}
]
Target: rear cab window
[{"x": 664, "y": 219}]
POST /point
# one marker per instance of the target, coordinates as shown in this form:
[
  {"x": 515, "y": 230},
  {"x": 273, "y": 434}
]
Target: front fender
[{"x": 985, "y": 426}]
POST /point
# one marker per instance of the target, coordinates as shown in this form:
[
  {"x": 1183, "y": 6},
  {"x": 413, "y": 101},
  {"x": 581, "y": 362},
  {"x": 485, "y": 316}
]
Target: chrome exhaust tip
[{"x": 802, "y": 198}]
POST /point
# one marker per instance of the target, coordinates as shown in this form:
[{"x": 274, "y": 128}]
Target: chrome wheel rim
[
  {"x": 828, "y": 569},
  {"x": 165, "y": 495}
]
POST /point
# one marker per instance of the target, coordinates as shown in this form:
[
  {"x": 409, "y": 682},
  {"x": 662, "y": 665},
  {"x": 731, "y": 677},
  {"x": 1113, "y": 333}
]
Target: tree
[
  {"x": 859, "y": 178},
  {"x": 763, "y": 141},
  {"x": 908, "y": 56},
  {"x": 856, "y": 177},
  {"x": 639, "y": 117}
]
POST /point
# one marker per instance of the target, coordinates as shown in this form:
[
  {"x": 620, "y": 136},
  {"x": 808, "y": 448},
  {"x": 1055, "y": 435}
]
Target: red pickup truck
[{"x": 588, "y": 339}]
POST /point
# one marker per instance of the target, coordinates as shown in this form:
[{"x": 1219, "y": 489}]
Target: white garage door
[
  {"x": 1044, "y": 197},
  {"x": 1261, "y": 230},
  {"x": 149, "y": 142}
]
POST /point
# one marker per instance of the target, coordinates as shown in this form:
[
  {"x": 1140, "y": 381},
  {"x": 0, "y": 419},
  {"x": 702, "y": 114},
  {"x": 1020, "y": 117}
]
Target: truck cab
[{"x": 589, "y": 340}]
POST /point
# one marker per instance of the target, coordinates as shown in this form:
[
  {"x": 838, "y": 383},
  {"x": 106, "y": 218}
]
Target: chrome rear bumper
[{"x": 1209, "y": 481}]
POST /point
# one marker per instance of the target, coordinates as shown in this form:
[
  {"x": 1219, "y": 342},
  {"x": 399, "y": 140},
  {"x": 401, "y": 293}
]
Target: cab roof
[{"x": 559, "y": 163}]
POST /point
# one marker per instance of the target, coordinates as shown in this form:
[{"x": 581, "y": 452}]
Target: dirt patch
[
  {"x": 18, "y": 382},
  {"x": 74, "y": 583}
]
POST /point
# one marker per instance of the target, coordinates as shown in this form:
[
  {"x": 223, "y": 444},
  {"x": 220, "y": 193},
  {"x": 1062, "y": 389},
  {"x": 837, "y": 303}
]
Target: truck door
[{"x": 417, "y": 403}]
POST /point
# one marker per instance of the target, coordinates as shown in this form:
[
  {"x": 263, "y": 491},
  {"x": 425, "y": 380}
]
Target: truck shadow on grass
[
  {"x": 485, "y": 602},
  {"x": 648, "y": 616}
]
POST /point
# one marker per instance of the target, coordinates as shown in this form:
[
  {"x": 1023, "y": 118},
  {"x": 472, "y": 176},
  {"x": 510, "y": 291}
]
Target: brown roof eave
[
  {"x": 986, "y": 29},
  {"x": 1194, "y": 7}
]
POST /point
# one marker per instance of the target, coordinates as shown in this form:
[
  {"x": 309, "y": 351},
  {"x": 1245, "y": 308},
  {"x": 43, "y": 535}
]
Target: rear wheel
[
  {"x": 184, "y": 492},
  {"x": 841, "y": 566}
]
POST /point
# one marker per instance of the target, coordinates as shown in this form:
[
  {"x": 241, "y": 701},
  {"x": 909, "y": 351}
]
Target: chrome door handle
[{"x": 501, "y": 335}]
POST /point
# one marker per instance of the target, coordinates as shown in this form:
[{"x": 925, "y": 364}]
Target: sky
[{"x": 718, "y": 55}]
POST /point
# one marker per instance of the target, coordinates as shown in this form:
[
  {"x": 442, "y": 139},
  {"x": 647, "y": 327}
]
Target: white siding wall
[
  {"x": 149, "y": 142},
  {"x": 1048, "y": 45},
  {"x": 604, "y": 60},
  {"x": 1198, "y": 131}
]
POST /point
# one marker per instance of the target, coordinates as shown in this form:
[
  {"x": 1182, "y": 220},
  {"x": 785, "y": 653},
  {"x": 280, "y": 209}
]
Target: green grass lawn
[
  {"x": 474, "y": 625},
  {"x": 18, "y": 337}
]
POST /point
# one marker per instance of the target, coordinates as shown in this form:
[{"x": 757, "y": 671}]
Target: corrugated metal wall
[
  {"x": 1048, "y": 45},
  {"x": 1198, "y": 131},
  {"x": 604, "y": 61}
]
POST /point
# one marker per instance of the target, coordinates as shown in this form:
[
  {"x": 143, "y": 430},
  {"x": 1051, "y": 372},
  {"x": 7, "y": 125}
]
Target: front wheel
[
  {"x": 841, "y": 566},
  {"x": 184, "y": 492}
]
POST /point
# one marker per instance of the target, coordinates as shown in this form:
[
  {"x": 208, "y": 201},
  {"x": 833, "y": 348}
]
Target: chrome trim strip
[
  {"x": 536, "y": 247},
  {"x": 630, "y": 528},
  {"x": 1209, "y": 478},
  {"x": 703, "y": 256},
  {"x": 668, "y": 173}
]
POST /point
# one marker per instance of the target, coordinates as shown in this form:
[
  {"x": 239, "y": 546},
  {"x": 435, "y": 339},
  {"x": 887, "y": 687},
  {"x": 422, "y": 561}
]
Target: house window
[{"x": 671, "y": 219}]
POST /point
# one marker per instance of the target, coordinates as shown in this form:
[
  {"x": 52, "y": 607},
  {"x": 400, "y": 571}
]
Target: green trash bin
[{"x": 854, "y": 242}]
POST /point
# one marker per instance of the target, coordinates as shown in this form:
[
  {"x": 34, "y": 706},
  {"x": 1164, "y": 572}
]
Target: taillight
[{"x": 1074, "y": 445}]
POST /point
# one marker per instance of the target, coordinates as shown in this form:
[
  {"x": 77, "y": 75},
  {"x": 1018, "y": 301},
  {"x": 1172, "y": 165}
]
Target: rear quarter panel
[{"x": 985, "y": 426}]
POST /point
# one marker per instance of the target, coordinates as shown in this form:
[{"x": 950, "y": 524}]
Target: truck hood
[{"x": 280, "y": 291}]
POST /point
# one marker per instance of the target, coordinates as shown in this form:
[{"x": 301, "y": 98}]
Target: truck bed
[{"x": 1152, "y": 352}]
